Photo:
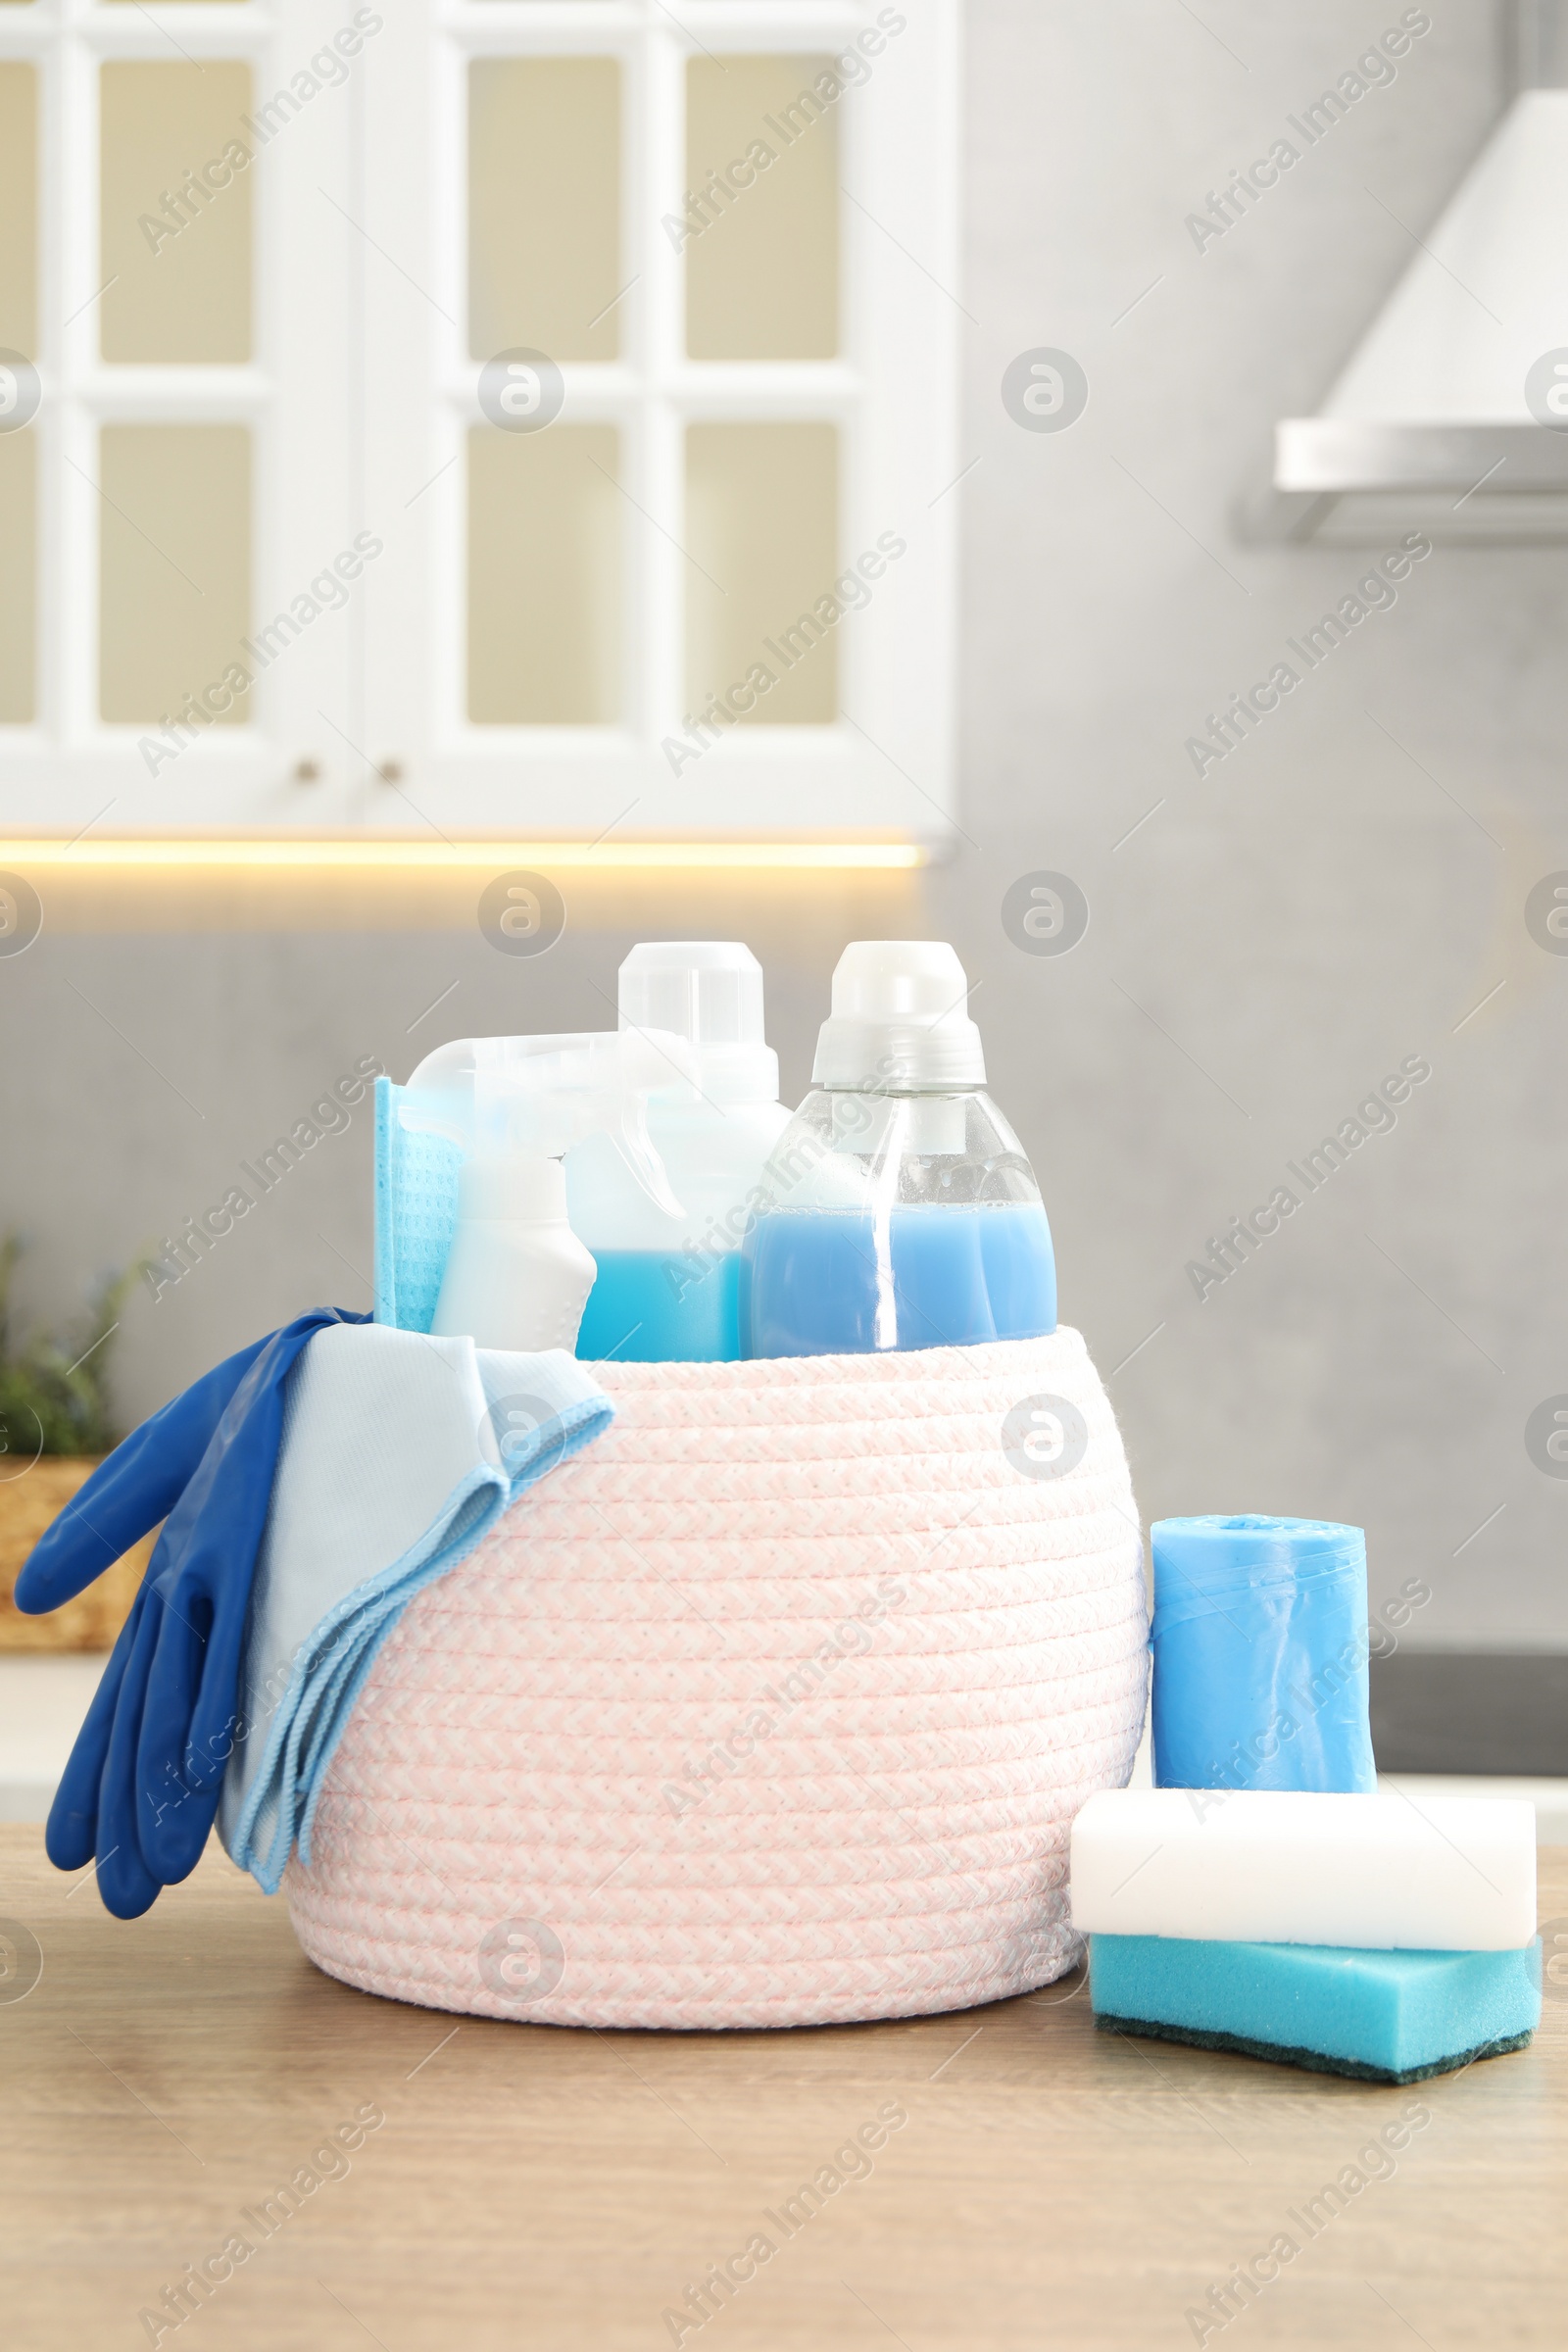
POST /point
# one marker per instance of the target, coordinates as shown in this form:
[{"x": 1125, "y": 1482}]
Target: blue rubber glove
[
  {"x": 142, "y": 1784},
  {"x": 126, "y": 1497}
]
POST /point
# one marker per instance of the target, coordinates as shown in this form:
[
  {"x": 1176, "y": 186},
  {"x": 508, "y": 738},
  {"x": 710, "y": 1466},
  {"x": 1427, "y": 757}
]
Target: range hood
[{"x": 1444, "y": 420}]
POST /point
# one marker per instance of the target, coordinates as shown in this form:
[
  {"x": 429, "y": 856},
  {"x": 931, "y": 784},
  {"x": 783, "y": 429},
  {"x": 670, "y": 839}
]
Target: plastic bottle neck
[{"x": 902, "y": 1093}]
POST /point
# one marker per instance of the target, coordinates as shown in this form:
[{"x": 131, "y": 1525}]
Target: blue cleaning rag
[
  {"x": 141, "y": 1785},
  {"x": 400, "y": 1451}
]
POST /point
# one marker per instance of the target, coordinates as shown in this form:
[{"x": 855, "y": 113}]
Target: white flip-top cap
[
  {"x": 899, "y": 1019},
  {"x": 711, "y": 992}
]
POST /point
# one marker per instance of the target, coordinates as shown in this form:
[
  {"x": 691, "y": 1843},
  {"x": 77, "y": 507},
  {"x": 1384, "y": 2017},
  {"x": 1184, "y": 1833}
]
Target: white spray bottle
[{"x": 516, "y": 1276}]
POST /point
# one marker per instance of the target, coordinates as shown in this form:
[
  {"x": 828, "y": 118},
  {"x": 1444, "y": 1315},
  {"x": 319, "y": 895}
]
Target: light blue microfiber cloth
[{"x": 399, "y": 1453}]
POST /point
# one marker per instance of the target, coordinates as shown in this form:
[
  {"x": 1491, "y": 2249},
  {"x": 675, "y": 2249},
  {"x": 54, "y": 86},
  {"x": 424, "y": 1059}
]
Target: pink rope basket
[{"x": 775, "y": 1709}]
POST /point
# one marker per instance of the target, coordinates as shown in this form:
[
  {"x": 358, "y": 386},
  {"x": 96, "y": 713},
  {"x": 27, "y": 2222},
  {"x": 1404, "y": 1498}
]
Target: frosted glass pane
[
  {"x": 174, "y": 550},
  {"x": 19, "y": 209},
  {"x": 544, "y": 577},
  {"x": 760, "y": 236},
  {"x": 761, "y": 519},
  {"x": 544, "y": 207},
  {"x": 174, "y": 212},
  {"x": 18, "y": 568}
]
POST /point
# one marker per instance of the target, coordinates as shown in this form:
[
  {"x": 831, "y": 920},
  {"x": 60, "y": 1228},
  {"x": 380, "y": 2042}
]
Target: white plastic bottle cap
[
  {"x": 899, "y": 1020},
  {"x": 709, "y": 990}
]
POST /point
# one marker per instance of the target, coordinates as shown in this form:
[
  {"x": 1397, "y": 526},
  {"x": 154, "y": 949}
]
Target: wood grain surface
[{"x": 529, "y": 2186}]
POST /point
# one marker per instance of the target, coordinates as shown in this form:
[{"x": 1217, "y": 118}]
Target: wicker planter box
[{"x": 30, "y": 1500}]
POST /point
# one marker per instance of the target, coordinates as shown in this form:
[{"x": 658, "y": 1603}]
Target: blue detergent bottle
[
  {"x": 899, "y": 1209},
  {"x": 668, "y": 1286}
]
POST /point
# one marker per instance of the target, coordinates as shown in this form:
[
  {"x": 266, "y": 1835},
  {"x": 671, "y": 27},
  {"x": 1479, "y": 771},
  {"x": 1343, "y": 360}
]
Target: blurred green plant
[{"x": 57, "y": 1389}]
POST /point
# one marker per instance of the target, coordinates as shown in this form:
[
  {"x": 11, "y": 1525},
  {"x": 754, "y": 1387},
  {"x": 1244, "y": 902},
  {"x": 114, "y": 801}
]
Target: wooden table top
[{"x": 536, "y": 2187}]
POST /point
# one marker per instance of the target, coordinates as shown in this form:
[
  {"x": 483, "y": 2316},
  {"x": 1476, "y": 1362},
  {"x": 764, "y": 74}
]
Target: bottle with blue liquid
[
  {"x": 668, "y": 1287},
  {"x": 898, "y": 1208}
]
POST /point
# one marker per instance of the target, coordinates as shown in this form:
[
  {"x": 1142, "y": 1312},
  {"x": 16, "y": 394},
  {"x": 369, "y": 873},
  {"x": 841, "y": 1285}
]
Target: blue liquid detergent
[
  {"x": 817, "y": 1285},
  {"x": 653, "y": 1307}
]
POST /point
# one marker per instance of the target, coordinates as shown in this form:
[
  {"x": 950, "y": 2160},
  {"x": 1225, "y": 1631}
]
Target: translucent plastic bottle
[
  {"x": 669, "y": 1288},
  {"x": 901, "y": 1210},
  {"x": 515, "y": 1274}
]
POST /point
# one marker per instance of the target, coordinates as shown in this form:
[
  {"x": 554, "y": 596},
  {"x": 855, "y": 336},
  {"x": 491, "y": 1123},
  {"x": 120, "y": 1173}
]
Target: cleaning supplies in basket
[
  {"x": 669, "y": 1288},
  {"x": 904, "y": 1214},
  {"x": 516, "y": 1275},
  {"x": 662, "y": 1128}
]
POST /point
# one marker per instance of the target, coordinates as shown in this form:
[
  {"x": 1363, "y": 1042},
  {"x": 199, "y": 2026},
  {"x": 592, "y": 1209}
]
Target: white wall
[{"x": 1317, "y": 907}]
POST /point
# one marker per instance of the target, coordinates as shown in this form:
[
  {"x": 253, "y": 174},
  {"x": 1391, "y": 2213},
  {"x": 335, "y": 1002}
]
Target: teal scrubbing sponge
[{"x": 1387, "y": 2016}]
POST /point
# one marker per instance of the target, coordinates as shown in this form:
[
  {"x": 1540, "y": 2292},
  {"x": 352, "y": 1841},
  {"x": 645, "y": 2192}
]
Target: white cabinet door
[{"x": 508, "y": 420}]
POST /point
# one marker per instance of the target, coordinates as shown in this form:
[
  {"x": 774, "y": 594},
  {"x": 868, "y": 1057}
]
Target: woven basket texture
[{"x": 775, "y": 1709}]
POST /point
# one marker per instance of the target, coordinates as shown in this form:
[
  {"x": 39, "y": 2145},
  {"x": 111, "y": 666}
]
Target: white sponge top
[{"x": 1273, "y": 1866}]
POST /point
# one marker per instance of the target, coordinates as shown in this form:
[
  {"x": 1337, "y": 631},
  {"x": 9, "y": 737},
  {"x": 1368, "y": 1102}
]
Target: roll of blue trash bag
[{"x": 1261, "y": 1655}]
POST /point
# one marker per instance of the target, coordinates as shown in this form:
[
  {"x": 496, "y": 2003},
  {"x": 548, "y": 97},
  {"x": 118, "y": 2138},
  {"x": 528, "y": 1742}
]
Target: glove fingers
[
  {"x": 234, "y": 1488},
  {"x": 72, "y": 1833},
  {"x": 125, "y": 1883},
  {"x": 181, "y": 1835},
  {"x": 167, "y": 1833},
  {"x": 217, "y": 1725}
]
